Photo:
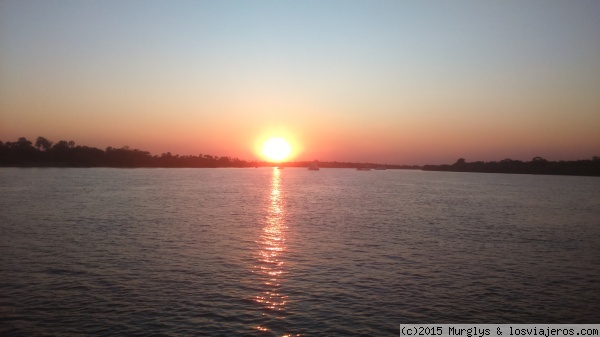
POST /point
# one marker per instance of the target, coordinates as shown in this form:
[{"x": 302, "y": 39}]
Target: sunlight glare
[{"x": 276, "y": 149}]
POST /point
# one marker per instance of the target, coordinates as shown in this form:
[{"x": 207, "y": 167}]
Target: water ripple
[{"x": 262, "y": 252}]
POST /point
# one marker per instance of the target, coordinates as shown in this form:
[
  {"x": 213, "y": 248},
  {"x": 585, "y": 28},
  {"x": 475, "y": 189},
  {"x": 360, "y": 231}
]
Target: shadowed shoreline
[
  {"x": 24, "y": 153},
  {"x": 537, "y": 165}
]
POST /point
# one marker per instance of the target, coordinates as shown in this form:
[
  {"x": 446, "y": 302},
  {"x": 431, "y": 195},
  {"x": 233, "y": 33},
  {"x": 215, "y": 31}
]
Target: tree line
[
  {"x": 537, "y": 165},
  {"x": 45, "y": 153}
]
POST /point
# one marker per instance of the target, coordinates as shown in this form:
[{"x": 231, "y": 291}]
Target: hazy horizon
[{"x": 407, "y": 83}]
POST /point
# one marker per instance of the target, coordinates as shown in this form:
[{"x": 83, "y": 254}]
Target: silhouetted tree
[
  {"x": 23, "y": 143},
  {"x": 60, "y": 153},
  {"x": 224, "y": 161},
  {"x": 43, "y": 144},
  {"x": 23, "y": 151}
]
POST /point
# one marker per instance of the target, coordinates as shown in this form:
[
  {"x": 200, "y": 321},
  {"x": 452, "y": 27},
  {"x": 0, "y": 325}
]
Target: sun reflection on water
[{"x": 271, "y": 248}]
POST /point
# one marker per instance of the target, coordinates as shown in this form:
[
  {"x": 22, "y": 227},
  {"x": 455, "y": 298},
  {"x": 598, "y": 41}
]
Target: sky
[{"x": 398, "y": 82}]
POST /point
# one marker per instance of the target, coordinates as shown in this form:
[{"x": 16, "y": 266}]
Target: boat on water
[
  {"x": 380, "y": 168},
  {"x": 313, "y": 167},
  {"x": 363, "y": 169}
]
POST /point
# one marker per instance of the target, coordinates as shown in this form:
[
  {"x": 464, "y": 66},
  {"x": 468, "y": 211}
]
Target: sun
[{"x": 276, "y": 149}]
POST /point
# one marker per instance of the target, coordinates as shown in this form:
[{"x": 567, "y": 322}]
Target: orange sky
[{"x": 401, "y": 83}]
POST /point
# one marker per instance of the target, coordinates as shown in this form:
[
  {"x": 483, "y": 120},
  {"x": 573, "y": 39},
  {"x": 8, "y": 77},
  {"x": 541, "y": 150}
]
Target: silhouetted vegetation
[
  {"x": 537, "y": 165},
  {"x": 45, "y": 153}
]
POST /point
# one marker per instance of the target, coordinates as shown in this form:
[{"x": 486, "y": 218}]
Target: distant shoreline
[
  {"x": 24, "y": 153},
  {"x": 537, "y": 165}
]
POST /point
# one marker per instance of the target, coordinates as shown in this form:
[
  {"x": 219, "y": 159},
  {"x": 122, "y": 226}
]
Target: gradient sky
[{"x": 403, "y": 82}]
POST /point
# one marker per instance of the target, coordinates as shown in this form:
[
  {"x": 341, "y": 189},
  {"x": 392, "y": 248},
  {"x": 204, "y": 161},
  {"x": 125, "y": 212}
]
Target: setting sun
[{"x": 276, "y": 149}]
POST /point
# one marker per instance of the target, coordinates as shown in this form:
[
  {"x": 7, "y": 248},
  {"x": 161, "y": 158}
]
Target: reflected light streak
[{"x": 270, "y": 264}]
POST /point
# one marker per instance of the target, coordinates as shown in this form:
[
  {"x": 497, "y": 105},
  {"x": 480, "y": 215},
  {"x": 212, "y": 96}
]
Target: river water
[{"x": 266, "y": 252}]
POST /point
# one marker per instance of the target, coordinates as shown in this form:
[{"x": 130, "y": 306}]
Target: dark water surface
[{"x": 263, "y": 252}]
